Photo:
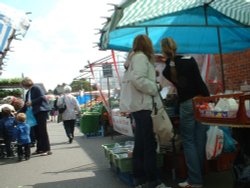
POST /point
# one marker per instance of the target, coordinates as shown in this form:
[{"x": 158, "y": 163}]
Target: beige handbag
[{"x": 162, "y": 126}]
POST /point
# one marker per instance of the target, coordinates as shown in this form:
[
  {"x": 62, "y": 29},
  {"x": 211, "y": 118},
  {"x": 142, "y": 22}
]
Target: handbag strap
[{"x": 155, "y": 110}]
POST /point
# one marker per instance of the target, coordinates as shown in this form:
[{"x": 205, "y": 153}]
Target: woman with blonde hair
[
  {"x": 184, "y": 73},
  {"x": 143, "y": 86}
]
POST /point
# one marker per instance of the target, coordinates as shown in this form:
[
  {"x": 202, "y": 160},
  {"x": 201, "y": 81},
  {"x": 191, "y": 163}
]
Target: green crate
[
  {"x": 113, "y": 154},
  {"x": 90, "y": 122},
  {"x": 109, "y": 153},
  {"x": 107, "y": 148},
  {"x": 124, "y": 164}
]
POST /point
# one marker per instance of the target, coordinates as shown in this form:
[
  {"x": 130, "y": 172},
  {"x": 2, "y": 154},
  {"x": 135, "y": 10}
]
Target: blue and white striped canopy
[
  {"x": 12, "y": 22},
  {"x": 5, "y": 33},
  {"x": 198, "y": 26}
]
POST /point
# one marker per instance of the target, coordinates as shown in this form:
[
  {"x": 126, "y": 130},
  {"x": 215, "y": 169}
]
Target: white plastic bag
[{"x": 214, "y": 145}]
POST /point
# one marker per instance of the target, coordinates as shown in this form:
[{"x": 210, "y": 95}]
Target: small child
[
  {"x": 23, "y": 137},
  {"x": 8, "y": 130}
]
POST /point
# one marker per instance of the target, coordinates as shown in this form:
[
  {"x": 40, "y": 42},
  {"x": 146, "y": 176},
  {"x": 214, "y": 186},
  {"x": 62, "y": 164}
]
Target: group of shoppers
[
  {"x": 184, "y": 74},
  {"x": 35, "y": 98},
  {"x": 14, "y": 127}
]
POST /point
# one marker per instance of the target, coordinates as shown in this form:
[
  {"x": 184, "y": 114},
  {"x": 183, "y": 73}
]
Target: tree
[{"x": 81, "y": 84}]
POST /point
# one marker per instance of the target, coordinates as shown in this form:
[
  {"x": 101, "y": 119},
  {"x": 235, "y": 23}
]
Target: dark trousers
[
  {"x": 41, "y": 132},
  {"x": 8, "y": 147},
  {"x": 144, "y": 154},
  {"x": 32, "y": 135},
  {"x": 23, "y": 150},
  {"x": 69, "y": 126}
]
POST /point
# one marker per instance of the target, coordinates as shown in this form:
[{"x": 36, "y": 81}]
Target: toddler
[{"x": 23, "y": 137}]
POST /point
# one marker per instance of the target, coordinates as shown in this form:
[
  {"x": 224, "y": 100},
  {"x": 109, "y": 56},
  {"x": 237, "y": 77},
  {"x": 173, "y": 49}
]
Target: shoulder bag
[
  {"x": 62, "y": 107},
  {"x": 162, "y": 126}
]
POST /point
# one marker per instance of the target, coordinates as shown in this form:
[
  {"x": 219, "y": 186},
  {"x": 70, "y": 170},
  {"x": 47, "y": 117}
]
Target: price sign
[{"x": 107, "y": 70}]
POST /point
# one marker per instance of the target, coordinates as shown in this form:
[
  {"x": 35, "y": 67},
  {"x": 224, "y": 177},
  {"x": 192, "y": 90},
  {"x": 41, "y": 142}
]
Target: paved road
[
  {"x": 77, "y": 165},
  {"x": 81, "y": 164}
]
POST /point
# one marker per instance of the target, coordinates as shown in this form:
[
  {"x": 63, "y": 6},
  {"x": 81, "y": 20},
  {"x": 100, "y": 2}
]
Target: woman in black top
[
  {"x": 36, "y": 99},
  {"x": 184, "y": 73}
]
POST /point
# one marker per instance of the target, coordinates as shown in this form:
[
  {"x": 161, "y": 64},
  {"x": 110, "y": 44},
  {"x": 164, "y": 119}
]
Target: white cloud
[{"x": 59, "y": 44}]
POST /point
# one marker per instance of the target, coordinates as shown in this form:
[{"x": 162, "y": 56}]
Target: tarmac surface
[{"x": 81, "y": 164}]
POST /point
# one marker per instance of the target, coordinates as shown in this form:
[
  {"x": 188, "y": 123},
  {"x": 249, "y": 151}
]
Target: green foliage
[
  {"x": 10, "y": 81},
  {"x": 80, "y": 85},
  {"x": 10, "y": 92}
]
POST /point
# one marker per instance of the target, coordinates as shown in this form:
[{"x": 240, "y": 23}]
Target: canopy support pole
[
  {"x": 221, "y": 59},
  {"x": 146, "y": 29}
]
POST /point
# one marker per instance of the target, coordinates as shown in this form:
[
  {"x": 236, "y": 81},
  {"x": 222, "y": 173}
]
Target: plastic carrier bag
[
  {"x": 30, "y": 118},
  {"x": 229, "y": 144},
  {"x": 215, "y": 140}
]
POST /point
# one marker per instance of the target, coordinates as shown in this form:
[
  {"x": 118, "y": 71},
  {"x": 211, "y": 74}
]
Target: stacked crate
[{"x": 119, "y": 156}]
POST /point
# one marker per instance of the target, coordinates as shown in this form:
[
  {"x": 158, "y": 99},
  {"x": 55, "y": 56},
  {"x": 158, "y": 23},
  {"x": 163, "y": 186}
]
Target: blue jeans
[{"x": 193, "y": 136}]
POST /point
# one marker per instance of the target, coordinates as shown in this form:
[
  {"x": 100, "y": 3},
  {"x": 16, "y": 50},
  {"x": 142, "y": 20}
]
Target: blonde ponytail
[{"x": 169, "y": 47}]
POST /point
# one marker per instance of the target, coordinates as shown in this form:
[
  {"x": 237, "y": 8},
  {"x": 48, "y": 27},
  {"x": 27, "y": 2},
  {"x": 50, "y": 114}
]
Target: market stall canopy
[
  {"x": 198, "y": 26},
  {"x": 12, "y": 24}
]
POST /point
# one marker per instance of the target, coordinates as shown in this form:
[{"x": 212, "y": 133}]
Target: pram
[
  {"x": 2, "y": 148},
  {"x": 13, "y": 146}
]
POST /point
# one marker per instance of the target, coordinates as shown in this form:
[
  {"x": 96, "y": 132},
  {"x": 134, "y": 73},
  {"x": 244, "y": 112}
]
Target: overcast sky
[{"x": 59, "y": 41}]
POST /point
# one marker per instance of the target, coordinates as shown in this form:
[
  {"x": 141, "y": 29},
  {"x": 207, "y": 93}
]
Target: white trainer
[
  {"x": 187, "y": 185},
  {"x": 162, "y": 186}
]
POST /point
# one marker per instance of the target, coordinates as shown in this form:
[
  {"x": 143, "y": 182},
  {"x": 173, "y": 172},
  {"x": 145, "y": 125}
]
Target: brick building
[{"x": 236, "y": 69}]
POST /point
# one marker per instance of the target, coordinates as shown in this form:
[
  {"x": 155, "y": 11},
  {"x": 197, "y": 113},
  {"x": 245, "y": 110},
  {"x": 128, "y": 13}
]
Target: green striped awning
[
  {"x": 198, "y": 26},
  {"x": 143, "y": 10}
]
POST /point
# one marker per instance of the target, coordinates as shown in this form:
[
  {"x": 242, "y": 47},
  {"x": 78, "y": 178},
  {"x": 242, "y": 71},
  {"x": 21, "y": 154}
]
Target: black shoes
[
  {"x": 70, "y": 140},
  {"x": 42, "y": 153},
  {"x": 20, "y": 158}
]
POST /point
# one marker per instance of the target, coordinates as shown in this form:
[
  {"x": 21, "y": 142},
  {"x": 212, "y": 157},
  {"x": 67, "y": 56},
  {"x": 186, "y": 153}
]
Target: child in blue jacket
[
  {"x": 8, "y": 130},
  {"x": 23, "y": 137}
]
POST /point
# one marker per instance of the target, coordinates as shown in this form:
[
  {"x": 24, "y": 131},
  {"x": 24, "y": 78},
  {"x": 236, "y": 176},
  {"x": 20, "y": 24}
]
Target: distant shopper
[
  {"x": 23, "y": 137},
  {"x": 35, "y": 98},
  {"x": 53, "y": 112},
  {"x": 184, "y": 73},
  {"x": 70, "y": 114}
]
